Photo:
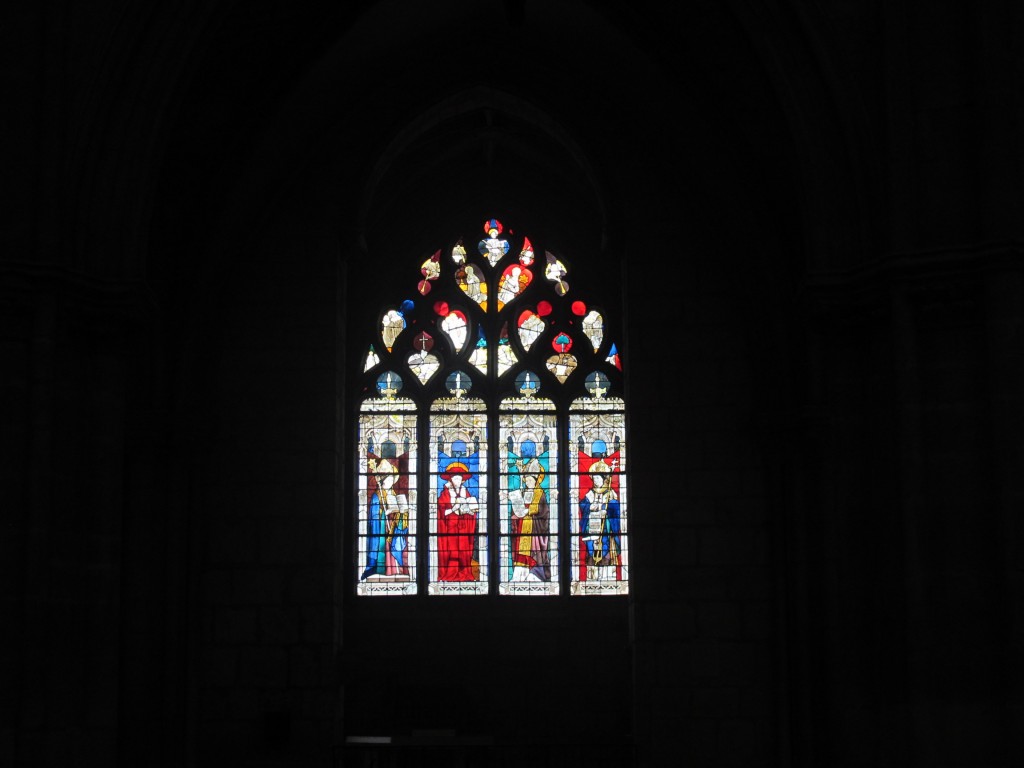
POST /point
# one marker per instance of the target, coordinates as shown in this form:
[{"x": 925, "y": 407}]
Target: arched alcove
[
  {"x": 682, "y": 222},
  {"x": 478, "y": 151}
]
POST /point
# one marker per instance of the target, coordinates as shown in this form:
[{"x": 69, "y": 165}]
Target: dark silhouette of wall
[{"x": 806, "y": 218}]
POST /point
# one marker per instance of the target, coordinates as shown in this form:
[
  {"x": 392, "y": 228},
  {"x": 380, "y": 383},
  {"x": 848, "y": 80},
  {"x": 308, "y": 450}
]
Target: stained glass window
[
  {"x": 491, "y": 438},
  {"x": 387, "y": 491},
  {"x": 458, "y": 494},
  {"x": 528, "y": 472},
  {"x": 597, "y": 495}
]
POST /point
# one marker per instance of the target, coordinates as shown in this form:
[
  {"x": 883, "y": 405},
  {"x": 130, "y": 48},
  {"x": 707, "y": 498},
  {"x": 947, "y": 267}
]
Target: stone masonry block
[
  {"x": 257, "y": 586},
  {"x": 666, "y": 621},
  {"x": 737, "y": 745},
  {"x": 313, "y": 585},
  {"x": 714, "y": 702},
  {"x": 758, "y": 619},
  {"x": 286, "y": 541},
  {"x": 317, "y": 624},
  {"x": 713, "y": 482},
  {"x": 304, "y": 669},
  {"x": 746, "y": 663},
  {"x": 700, "y": 659},
  {"x": 216, "y": 587},
  {"x": 740, "y": 511},
  {"x": 231, "y": 541},
  {"x": 675, "y": 547},
  {"x": 727, "y": 546},
  {"x": 718, "y": 619},
  {"x": 237, "y": 625},
  {"x": 279, "y": 624},
  {"x": 220, "y": 666},
  {"x": 263, "y": 666},
  {"x": 730, "y": 448},
  {"x": 701, "y": 583}
]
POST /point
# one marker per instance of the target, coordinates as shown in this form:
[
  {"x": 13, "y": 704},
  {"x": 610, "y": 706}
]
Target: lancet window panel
[
  {"x": 458, "y": 499},
  {"x": 597, "y": 498},
  {"x": 387, "y": 499},
  {"x": 528, "y": 502}
]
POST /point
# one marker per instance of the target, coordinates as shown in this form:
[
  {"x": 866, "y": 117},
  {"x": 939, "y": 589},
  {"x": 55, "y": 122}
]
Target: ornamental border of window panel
[{"x": 491, "y": 433}]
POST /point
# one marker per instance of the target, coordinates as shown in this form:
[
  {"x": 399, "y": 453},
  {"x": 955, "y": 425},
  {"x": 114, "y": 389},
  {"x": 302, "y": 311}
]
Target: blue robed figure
[{"x": 388, "y": 513}]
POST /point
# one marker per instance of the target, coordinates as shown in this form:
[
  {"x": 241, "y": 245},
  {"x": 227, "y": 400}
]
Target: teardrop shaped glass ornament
[
  {"x": 593, "y": 328},
  {"x": 531, "y": 326},
  {"x": 372, "y": 359},
  {"x": 456, "y": 327}
]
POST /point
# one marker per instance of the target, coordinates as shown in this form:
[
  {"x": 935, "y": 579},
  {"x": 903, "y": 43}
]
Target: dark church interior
[{"x": 806, "y": 220}]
